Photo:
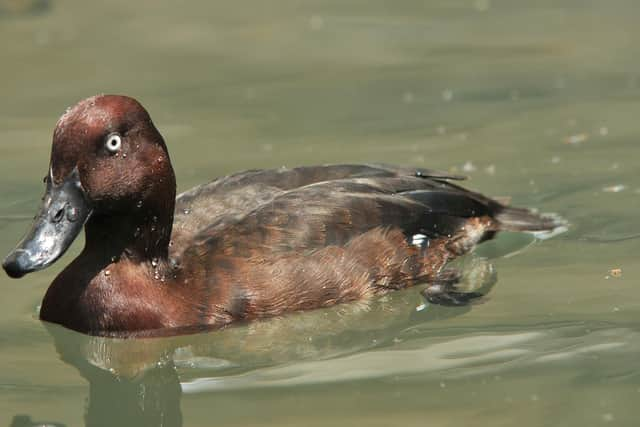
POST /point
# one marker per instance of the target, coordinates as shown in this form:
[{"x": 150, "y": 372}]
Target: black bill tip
[{"x": 17, "y": 264}]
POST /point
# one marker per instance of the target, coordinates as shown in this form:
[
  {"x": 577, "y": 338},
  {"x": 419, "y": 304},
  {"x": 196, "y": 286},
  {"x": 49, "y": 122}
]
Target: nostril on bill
[{"x": 58, "y": 215}]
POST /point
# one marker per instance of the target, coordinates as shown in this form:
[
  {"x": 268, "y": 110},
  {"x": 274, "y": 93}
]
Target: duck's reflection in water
[
  {"x": 137, "y": 382},
  {"x": 26, "y": 421}
]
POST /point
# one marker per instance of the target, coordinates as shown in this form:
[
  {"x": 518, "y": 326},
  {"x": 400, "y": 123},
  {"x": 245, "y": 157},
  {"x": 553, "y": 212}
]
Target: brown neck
[
  {"x": 141, "y": 233},
  {"x": 141, "y": 238}
]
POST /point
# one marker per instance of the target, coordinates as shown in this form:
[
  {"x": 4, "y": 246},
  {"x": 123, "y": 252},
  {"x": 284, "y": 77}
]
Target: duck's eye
[{"x": 113, "y": 143}]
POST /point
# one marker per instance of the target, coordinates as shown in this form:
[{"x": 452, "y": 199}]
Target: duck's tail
[{"x": 543, "y": 226}]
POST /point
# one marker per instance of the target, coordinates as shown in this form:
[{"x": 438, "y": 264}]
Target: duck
[{"x": 251, "y": 245}]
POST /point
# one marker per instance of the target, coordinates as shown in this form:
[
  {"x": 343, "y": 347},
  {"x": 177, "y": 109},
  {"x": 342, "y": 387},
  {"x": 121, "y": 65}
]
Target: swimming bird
[{"x": 255, "y": 244}]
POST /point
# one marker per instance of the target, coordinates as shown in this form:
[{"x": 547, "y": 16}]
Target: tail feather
[{"x": 519, "y": 219}]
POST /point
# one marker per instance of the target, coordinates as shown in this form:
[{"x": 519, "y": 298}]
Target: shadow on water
[{"x": 140, "y": 382}]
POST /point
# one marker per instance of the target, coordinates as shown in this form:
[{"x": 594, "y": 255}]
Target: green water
[{"x": 493, "y": 89}]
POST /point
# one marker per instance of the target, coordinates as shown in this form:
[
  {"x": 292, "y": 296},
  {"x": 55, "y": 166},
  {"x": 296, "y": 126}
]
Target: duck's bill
[{"x": 62, "y": 215}]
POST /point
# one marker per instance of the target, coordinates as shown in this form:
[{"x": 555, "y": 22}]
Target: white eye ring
[{"x": 113, "y": 143}]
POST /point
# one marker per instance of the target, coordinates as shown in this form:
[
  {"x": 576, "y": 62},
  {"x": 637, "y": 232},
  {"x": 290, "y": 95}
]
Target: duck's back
[
  {"x": 304, "y": 208},
  {"x": 225, "y": 201}
]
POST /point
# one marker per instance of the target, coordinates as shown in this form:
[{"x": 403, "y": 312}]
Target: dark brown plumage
[{"x": 255, "y": 244}]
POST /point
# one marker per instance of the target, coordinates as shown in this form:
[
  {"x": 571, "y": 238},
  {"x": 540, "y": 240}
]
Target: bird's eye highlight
[{"x": 113, "y": 143}]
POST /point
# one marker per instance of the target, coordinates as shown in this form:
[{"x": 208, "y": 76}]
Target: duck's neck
[
  {"x": 139, "y": 238},
  {"x": 140, "y": 234}
]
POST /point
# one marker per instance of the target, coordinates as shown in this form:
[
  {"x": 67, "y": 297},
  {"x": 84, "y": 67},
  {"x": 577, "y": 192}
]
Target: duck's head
[{"x": 108, "y": 160}]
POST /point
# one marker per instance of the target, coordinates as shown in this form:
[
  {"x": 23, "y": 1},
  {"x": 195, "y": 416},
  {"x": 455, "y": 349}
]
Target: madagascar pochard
[{"x": 255, "y": 244}]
